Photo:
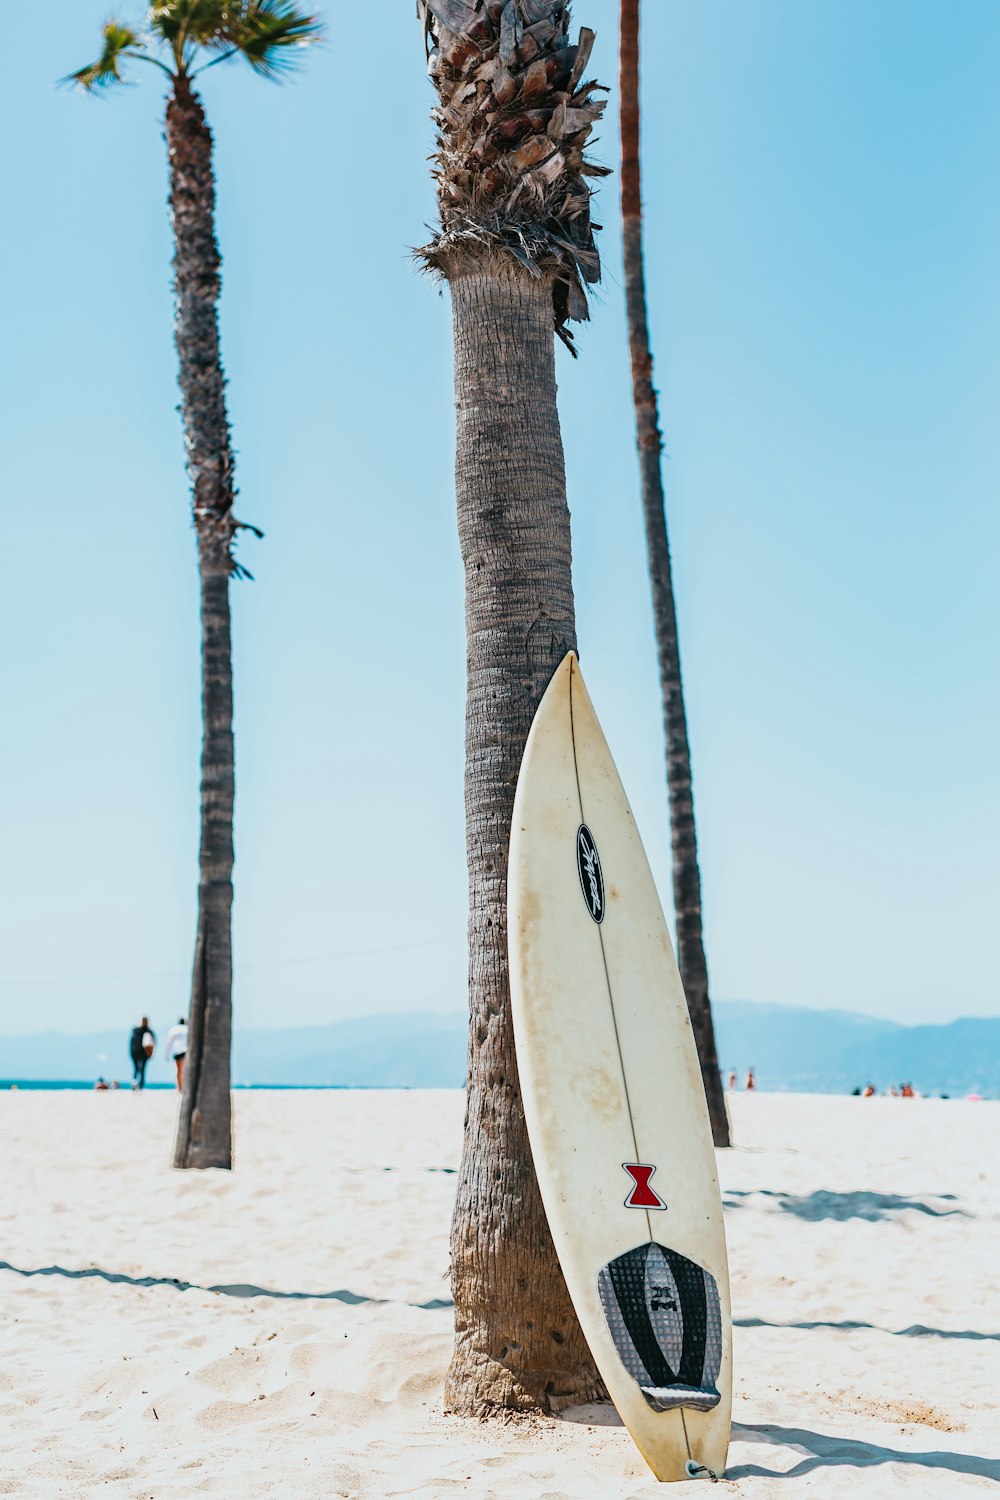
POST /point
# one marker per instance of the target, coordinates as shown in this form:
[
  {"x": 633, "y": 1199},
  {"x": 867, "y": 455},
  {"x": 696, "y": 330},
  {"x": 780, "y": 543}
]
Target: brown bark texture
[
  {"x": 514, "y": 117},
  {"x": 204, "y": 1126},
  {"x": 686, "y": 875},
  {"x": 518, "y": 1342}
]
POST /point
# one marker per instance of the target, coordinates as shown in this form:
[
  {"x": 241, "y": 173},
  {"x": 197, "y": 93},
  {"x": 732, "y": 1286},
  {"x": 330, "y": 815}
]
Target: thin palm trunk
[
  {"x": 181, "y": 39},
  {"x": 204, "y": 1126},
  {"x": 518, "y": 1340},
  {"x": 686, "y": 875}
]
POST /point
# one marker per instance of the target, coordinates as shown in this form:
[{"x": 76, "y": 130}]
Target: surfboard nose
[
  {"x": 555, "y": 709},
  {"x": 562, "y": 677}
]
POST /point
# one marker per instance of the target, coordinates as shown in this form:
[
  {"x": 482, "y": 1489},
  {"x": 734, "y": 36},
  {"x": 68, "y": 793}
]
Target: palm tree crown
[{"x": 183, "y": 37}]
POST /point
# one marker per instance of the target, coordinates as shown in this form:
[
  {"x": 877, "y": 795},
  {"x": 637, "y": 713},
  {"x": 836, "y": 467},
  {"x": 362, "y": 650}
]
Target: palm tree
[
  {"x": 183, "y": 37},
  {"x": 515, "y": 244},
  {"x": 687, "y": 878}
]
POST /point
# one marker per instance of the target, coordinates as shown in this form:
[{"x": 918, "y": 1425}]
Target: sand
[{"x": 283, "y": 1330}]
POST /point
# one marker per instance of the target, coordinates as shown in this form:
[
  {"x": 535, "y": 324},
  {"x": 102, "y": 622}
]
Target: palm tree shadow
[
  {"x": 823, "y": 1204},
  {"x": 231, "y": 1289},
  {"x": 849, "y": 1325},
  {"x": 823, "y": 1451}
]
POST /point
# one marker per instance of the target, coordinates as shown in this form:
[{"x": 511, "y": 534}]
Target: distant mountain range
[
  {"x": 790, "y": 1048},
  {"x": 834, "y": 1051}
]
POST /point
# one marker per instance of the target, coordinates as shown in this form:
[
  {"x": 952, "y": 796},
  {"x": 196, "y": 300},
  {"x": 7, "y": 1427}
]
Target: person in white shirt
[{"x": 177, "y": 1045}]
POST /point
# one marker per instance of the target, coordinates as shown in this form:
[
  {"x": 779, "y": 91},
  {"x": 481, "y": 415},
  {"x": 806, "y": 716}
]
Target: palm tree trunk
[
  {"x": 518, "y": 1342},
  {"x": 687, "y": 878},
  {"x": 204, "y": 1126}
]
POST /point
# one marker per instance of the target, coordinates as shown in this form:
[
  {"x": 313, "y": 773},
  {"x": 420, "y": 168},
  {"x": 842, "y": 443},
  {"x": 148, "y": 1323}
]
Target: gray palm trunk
[
  {"x": 518, "y": 1342},
  {"x": 515, "y": 242},
  {"x": 686, "y": 875},
  {"x": 204, "y": 1126}
]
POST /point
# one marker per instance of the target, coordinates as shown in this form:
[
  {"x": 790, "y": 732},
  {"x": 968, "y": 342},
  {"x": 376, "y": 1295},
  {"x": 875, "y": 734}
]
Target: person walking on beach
[
  {"x": 177, "y": 1045},
  {"x": 751, "y": 1082},
  {"x": 142, "y": 1045}
]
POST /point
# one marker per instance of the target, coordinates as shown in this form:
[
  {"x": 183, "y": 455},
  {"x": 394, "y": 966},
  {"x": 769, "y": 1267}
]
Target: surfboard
[{"x": 613, "y": 1097}]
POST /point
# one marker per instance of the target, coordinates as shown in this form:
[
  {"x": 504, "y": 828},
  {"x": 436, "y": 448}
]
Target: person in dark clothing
[{"x": 141, "y": 1045}]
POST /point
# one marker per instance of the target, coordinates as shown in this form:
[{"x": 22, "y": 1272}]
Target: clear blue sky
[{"x": 823, "y": 250}]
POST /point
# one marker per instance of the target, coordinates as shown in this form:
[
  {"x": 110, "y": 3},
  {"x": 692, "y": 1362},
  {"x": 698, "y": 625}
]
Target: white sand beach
[{"x": 284, "y": 1330}]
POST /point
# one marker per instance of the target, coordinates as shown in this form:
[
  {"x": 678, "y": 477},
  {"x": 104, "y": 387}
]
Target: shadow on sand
[
  {"x": 849, "y": 1325},
  {"x": 820, "y": 1451},
  {"x": 826, "y": 1205},
  {"x": 234, "y": 1289}
]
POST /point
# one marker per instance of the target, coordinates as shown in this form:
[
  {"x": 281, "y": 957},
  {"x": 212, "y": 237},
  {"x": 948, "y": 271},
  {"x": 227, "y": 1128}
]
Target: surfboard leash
[
  {"x": 693, "y": 1468},
  {"x": 695, "y": 1471}
]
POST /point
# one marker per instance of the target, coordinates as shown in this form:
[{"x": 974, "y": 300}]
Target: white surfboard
[{"x": 613, "y": 1095}]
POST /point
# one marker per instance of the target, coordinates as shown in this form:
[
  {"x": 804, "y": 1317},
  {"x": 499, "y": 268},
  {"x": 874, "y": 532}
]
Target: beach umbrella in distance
[
  {"x": 515, "y": 244},
  {"x": 180, "y": 39},
  {"x": 687, "y": 877}
]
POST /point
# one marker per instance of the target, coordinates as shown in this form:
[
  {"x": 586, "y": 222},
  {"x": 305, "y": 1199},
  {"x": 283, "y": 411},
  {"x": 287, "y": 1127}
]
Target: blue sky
[{"x": 823, "y": 242}]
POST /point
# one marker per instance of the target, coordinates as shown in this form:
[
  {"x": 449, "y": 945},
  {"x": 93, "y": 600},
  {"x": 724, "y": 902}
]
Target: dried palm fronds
[{"x": 513, "y": 122}]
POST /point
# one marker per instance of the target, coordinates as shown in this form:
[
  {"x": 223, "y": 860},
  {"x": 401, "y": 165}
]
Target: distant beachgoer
[
  {"x": 101, "y": 1084},
  {"x": 177, "y": 1045},
  {"x": 869, "y": 1091},
  {"x": 751, "y": 1082},
  {"x": 732, "y": 1081},
  {"x": 906, "y": 1092},
  {"x": 142, "y": 1045}
]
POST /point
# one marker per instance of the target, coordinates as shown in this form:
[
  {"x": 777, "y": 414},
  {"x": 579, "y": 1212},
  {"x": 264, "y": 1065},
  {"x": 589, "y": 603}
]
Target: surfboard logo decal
[
  {"x": 588, "y": 864},
  {"x": 642, "y": 1195}
]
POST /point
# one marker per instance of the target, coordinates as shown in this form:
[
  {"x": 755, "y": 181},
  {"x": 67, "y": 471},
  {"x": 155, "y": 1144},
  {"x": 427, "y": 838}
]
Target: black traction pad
[{"x": 664, "y": 1316}]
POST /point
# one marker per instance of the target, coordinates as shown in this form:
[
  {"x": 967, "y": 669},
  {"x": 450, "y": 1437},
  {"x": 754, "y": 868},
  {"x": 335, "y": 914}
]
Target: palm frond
[
  {"x": 181, "y": 21},
  {"x": 265, "y": 33},
  {"x": 262, "y": 31},
  {"x": 119, "y": 40}
]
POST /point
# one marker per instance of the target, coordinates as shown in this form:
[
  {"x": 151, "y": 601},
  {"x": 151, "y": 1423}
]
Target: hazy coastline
[{"x": 791, "y": 1049}]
